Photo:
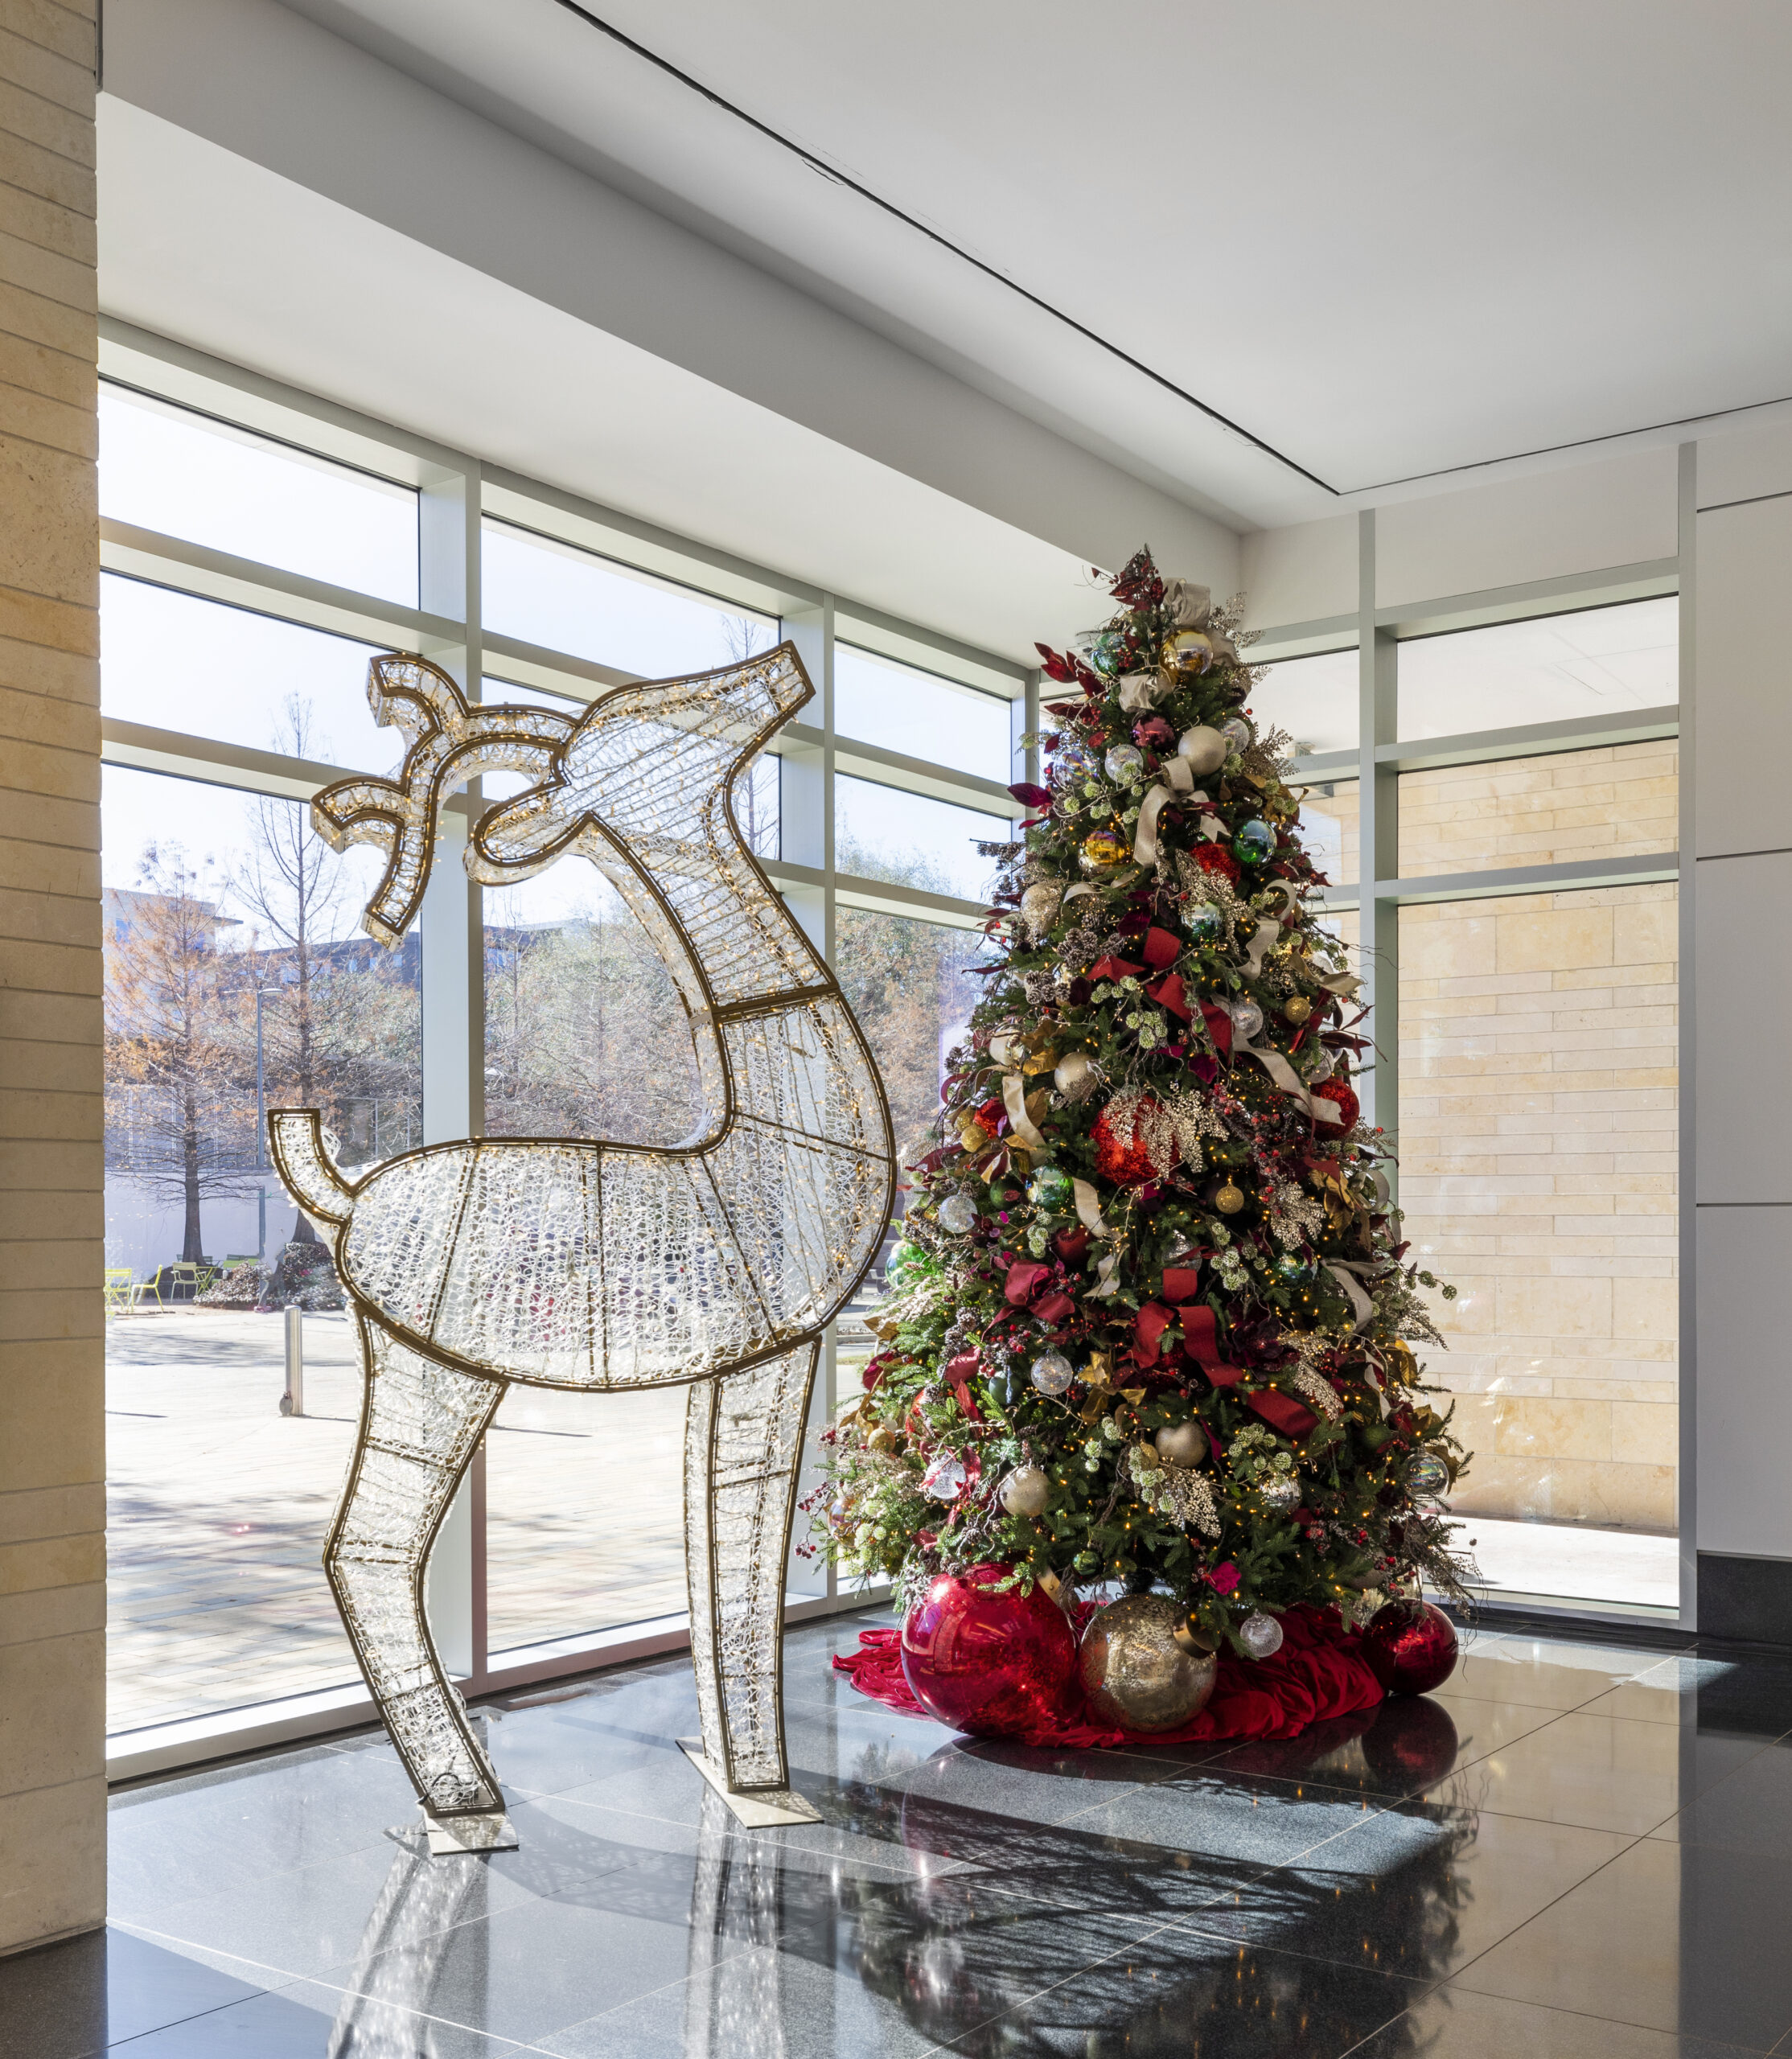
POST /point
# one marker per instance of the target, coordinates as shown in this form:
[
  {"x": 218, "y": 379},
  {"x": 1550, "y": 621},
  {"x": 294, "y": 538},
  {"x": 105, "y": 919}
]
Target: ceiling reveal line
[{"x": 989, "y": 271}]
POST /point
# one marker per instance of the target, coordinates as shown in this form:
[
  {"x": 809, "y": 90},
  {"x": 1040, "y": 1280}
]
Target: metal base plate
[
  {"x": 449, "y": 1834},
  {"x": 765, "y": 1809}
]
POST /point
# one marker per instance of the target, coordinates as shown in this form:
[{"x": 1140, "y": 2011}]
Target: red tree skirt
[{"x": 1319, "y": 1673}]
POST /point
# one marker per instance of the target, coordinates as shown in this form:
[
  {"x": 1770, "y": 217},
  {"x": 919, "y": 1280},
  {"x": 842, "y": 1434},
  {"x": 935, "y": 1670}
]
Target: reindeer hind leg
[
  {"x": 421, "y": 1422},
  {"x": 743, "y": 1446}
]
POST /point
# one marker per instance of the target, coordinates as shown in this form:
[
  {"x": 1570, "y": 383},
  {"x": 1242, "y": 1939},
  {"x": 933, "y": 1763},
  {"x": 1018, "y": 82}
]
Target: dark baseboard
[
  {"x": 1746, "y": 1601},
  {"x": 1589, "y": 1629}
]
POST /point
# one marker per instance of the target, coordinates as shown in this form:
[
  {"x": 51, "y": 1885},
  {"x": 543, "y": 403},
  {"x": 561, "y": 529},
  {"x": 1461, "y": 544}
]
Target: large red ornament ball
[
  {"x": 1340, "y": 1091},
  {"x": 993, "y": 1665},
  {"x": 1125, "y": 1164},
  {"x": 1216, "y": 858},
  {"x": 1411, "y": 1647}
]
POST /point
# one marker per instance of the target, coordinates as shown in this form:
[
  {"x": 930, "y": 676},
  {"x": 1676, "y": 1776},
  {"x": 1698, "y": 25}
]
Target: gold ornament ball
[
  {"x": 1026, "y": 1490},
  {"x": 883, "y": 1438},
  {"x": 1297, "y": 1008},
  {"x": 1103, "y": 850},
  {"x": 1072, "y": 1071},
  {"x": 1135, "y": 1673},
  {"x": 1182, "y": 1443},
  {"x": 1187, "y": 654},
  {"x": 1229, "y": 1199}
]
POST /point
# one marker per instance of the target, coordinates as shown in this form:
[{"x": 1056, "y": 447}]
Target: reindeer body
[{"x": 715, "y": 1263}]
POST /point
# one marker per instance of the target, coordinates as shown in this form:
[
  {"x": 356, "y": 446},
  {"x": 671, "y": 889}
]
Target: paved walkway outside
[{"x": 218, "y": 1507}]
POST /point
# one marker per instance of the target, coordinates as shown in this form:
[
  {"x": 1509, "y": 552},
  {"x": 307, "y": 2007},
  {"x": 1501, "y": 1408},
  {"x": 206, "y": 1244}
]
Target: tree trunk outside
[{"x": 193, "y": 1247}]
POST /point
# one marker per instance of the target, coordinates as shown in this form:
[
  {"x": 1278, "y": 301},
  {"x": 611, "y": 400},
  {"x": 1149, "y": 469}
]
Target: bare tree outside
[{"x": 174, "y": 1108}]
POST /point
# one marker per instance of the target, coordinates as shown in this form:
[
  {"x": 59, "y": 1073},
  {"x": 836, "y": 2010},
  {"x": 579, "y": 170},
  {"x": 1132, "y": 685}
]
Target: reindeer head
[{"x": 648, "y": 765}]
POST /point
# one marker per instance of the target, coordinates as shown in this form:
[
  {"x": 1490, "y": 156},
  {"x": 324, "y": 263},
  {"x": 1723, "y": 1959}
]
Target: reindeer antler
[{"x": 447, "y": 740}]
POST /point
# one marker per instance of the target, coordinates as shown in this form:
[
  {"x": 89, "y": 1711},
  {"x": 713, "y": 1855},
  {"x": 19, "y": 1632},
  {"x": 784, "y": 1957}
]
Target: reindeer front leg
[
  {"x": 420, "y": 1426},
  {"x": 743, "y": 1446}
]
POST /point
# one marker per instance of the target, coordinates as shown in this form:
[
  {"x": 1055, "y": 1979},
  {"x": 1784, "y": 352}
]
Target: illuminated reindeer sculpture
[{"x": 715, "y": 1263}]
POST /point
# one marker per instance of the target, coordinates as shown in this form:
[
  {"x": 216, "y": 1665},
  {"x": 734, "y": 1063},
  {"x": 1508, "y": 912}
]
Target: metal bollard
[{"x": 292, "y": 1402}]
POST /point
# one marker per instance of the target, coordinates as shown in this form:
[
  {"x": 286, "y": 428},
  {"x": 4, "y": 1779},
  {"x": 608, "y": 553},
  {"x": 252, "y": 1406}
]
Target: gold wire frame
[{"x": 715, "y": 1263}]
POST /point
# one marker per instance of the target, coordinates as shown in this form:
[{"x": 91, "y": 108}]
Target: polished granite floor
[{"x": 1577, "y": 1849}]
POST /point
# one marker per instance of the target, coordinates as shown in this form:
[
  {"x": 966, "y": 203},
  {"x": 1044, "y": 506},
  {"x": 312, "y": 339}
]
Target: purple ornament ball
[
  {"x": 1411, "y": 1647},
  {"x": 993, "y": 1665}
]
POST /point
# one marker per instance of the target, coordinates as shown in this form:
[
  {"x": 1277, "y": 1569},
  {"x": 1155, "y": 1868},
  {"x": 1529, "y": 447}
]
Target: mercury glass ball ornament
[
  {"x": 1187, "y": 654},
  {"x": 1124, "y": 762},
  {"x": 1135, "y": 1674},
  {"x": 1052, "y": 1372},
  {"x": 1026, "y": 1490},
  {"x": 1102, "y": 851},
  {"x": 957, "y": 1212},
  {"x": 1182, "y": 1443},
  {"x": 1238, "y": 733},
  {"x": 1039, "y": 905},
  {"x": 1230, "y": 1198},
  {"x": 1254, "y": 841},
  {"x": 1049, "y": 1189},
  {"x": 1247, "y": 1018},
  {"x": 1072, "y": 1071},
  {"x": 1261, "y": 1635},
  {"x": 1202, "y": 749},
  {"x": 1426, "y": 1473},
  {"x": 1279, "y": 1495},
  {"x": 944, "y": 1479}
]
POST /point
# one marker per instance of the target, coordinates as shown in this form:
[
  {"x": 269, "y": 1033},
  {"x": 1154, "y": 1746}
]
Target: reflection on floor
[
  {"x": 1628, "y": 1567},
  {"x": 1576, "y": 1850}
]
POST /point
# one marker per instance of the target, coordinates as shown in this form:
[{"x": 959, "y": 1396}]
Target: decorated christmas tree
[{"x": 1151, "y": 1330}]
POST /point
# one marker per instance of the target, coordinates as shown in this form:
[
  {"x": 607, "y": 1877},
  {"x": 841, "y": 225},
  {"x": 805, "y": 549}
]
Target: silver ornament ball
[
  {"x": 958, "y": 1214},
  {"x": 1202, "y": 750},
  {"x": 1247, "y": 1018},
  {"x": 1238, "y": 734},
  {"x": 1261, "y": 1635},
  {"x": 1124, "y": 762},
  {"x": 1026, "y": 1490},
  {"x": 1053, "y": 1373},
  {"x": 1135, "y": 1673},
  {"x": 1279, "y": 1495}
]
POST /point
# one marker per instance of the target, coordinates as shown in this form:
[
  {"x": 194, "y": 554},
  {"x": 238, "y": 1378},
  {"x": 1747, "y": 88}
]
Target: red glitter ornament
[
  {"x": 1126, "y": 1164},
  {"x": 1216, "y": 858},
  {"x": 1411, "y": 1647},
  {"x": 993, "y": 1665},
  {"x": 1339, "y": 1092}
]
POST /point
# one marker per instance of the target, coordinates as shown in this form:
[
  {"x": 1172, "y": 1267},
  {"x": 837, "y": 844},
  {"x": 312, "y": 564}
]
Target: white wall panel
[
  {"x": 1745, "y": 672},
  {"x": 1300, "y": 574},
  {"x": 1743, "y": 996},
  {"x": 1745, "y": 1381},
  {"x": 1745, "y": 464},
  {"x": 1582, "y": 518}
]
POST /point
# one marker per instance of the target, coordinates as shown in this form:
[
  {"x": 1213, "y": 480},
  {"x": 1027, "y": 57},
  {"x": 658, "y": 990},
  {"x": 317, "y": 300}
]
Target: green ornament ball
[
  {"x": 1254, "y": 841},
  {"x": 1050, "y": 1189}
]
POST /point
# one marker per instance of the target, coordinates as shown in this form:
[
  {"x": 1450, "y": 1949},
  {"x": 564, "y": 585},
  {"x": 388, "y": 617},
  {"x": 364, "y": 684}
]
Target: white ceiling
[{"x": 1388, "y": 239}]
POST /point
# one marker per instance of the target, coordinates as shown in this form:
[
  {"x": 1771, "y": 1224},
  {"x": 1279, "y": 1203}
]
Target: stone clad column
[{"x": 52, "y": 1343}]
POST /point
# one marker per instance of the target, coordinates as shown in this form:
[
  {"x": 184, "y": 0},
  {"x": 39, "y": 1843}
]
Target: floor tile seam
[
  {"x": 422, "y": 2015},
  {"x": 1621, "y": 2023},
  {"x": 175, "y": 2023},
  {"x": 186, "y": 1945}
]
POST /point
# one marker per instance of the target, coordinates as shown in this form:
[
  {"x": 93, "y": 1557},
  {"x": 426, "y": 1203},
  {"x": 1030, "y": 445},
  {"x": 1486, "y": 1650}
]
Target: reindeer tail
[{"x": 296, "y": 1138}]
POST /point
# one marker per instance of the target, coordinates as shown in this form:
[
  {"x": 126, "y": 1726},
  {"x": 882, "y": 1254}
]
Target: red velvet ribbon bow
[
  {"x": 1114, "y": 968},
  {"x": 1280, "y": 1410},
  {"x": 1028, "y": 1282},
  {"x": 1219, "y": 1026}
]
